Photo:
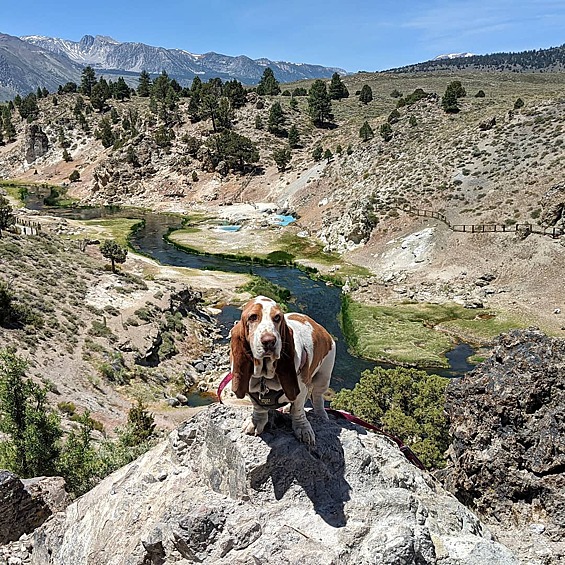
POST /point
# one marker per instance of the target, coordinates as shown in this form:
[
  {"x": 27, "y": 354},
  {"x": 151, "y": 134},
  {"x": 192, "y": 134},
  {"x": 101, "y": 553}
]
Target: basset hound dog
[{"x": 279, "y": 359}]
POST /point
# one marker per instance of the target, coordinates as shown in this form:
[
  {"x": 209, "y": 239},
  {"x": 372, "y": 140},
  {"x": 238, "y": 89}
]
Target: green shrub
[
  {"x": 32, "y": 429},
  {"x": 405, "y": 402},
  {"x": 100, "y": 329},
  {"x": 167, "y": 348},
  {"x": 258, "y": 286},
  {"x": 67, "y": 407}
]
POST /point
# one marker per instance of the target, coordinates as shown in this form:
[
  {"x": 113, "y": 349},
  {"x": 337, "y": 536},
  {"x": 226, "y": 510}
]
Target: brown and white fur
[{"x": 291, "y": 352}]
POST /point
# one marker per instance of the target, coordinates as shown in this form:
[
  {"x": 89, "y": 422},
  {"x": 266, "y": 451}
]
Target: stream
[{"x": 313, "y": 297}]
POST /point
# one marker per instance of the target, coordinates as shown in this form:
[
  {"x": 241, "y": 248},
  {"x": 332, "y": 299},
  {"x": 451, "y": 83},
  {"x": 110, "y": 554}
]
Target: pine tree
[
  {"x": 337, "y": 89},
  {"x": 293, "y": 103},
  {"x": 121, "y": 90},
  {"x": 140, "y": 424},
  {"x": 457, "y": 88},
  {"x": 518, "y": 104},
  {"x": 275, "y": 124},
  {"x": 235, "y": 149},
  {"x": 88, "y": 80},
  {"x": 317, "y": 153},
  {"x": 104, "y": 133},
  {"x": 144, "y": 84},
  {"x": 100, "y": 92},
  {"x": 386, "y": 131},
  {"x": 293, "y": 137},
  {"x": 9, "y": 128},
  {"x": 366, "y": 132},
  {"x": 319, "y": 103},
  {"x": 366, "y": 94},
  {"x": 282, "y": 158},
  {"x": 114, "y": 252},
  {"x": 236, "y": 94},
  {"x": 268, "y": 85},
  {"x": 328, "y": 155},
  {"x": 449, "y": 101}
]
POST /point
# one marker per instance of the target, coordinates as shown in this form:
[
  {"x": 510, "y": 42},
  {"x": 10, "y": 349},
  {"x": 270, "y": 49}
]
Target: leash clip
[{"x": 263, "y": 388}]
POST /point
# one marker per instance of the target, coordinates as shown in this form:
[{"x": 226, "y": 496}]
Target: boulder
[
  {"x": 35, "y": 143},
  {"x": 508, "y": 424},
  {"x": 211, "y": 494},
  {"x": 25, "y": 505},
  {"x": 553, "y": 207}
]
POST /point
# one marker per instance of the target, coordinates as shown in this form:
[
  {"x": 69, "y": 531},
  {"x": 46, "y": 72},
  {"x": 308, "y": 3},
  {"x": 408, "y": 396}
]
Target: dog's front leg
[
  {"x": 300, "y": 425},
  {"x": 256, "y": 423}
]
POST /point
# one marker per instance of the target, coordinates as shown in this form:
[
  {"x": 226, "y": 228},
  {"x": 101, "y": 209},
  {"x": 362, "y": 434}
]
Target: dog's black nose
[{"x": 268, "y": 341}]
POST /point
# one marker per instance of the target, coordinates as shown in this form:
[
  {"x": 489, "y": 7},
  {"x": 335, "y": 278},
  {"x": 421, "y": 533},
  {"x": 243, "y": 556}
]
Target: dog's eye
[
  {"x": 252, "y": 318},
  {"x": 277, "y": 319}
]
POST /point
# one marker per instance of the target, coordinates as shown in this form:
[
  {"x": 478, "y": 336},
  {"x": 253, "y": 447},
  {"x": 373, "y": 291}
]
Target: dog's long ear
[
  {"x": 241, "y": 359},
  {"x": 286, "y": 370}
]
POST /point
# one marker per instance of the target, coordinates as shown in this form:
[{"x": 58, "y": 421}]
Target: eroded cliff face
[
  {"x": 211, "y": 494},
  {"x": 508, "y": 454}
]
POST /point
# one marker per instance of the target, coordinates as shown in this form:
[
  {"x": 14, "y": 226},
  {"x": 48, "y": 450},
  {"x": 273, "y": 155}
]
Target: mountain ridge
[
  {"x": 541, "y": 60},
  {"x": 106, "y": 53}
]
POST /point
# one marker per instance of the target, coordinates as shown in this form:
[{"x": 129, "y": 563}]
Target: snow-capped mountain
[{"x": 106, "y": 54}]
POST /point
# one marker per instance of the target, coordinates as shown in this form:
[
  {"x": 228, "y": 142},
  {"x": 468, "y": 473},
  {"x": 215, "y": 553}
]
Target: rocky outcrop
[
  {"x": 25, "y": 505},
  {"x": 35, "y": 143},
  {"x": 211, "y": 494},
  {"x": 350, "y": 229},
  {"x": 508, "y": 422},
  {"x": 553, "y": 207}
]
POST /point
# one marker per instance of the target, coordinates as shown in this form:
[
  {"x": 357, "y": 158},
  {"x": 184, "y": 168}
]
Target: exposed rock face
[
  {"x": 352, "y": 228},
  {"x": 508, "y": 421},
  {"x": 211, "y": 494},
  {"x": 553, "y": 206},
  {"x": 25, "y": 505},
  {"x": 35, "y": 144}
]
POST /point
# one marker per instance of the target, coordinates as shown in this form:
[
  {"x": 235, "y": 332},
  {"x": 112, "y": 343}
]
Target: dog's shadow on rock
[{"x": 318, "y": 471}]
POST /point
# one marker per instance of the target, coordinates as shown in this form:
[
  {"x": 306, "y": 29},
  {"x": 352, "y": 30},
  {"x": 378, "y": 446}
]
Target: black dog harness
[{"x": 266, "y": 398}]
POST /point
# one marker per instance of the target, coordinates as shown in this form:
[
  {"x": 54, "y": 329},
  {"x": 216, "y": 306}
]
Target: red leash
[{"x": 408, "y": 453}]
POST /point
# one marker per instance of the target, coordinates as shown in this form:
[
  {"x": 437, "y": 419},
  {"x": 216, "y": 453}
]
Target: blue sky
[{"x": 354, "y": 35}]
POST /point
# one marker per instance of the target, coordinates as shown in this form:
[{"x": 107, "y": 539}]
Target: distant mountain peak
[
  {"x": 110, "y": 56},
  {"x": 452, "y": 56}
]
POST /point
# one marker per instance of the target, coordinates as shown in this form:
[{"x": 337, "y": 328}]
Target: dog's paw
[
  {"x": 322, "y": 414},
  {"x": 304, "y": 432},
  {"x": 252, "y": 428}
]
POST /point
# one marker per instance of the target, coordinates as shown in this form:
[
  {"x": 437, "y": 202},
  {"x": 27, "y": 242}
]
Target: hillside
[
  {"x": 99, "y": 340},
  {"x": 488, "y": 163},
  {"x": 535, "y": 60}
]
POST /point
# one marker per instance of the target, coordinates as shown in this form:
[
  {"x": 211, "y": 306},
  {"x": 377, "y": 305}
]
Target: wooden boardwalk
[{"x": 553, "y": 232}]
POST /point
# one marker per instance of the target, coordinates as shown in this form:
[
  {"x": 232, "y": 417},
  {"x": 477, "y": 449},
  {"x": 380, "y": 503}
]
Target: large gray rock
[
  {"x": 553, "y": 206},
  {"x": 35, "y": 143},
  {"x": 25, "y": 505},
  {"x": 211, "y": 494},
  {"x": 508, "y": 424}
]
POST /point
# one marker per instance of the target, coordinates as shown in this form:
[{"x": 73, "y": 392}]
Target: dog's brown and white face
[
  {"x": 262, "y": 345},
  {"x": 264, "y": 319}
]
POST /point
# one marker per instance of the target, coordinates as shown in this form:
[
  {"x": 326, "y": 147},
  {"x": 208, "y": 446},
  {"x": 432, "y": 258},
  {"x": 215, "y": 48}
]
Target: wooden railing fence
[{"x": 553, "y": 232}]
